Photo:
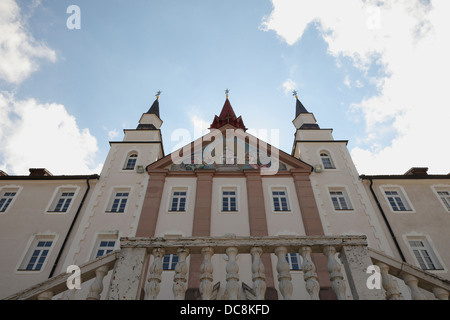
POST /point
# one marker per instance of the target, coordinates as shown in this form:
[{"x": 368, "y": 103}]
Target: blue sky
[{"x": 72, "y": 91}]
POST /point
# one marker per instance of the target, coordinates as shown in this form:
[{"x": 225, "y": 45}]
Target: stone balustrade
[
  {"x": 415, "y": 278},
  {"x": 138, "y": 268},
  {"x": 140, "y": 252},
  {"x": 47, "y": 290}
]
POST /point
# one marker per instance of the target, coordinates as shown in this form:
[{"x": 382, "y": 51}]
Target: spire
[
  {"x": 227, "y": 116},
  {"x": 151, "y": 120},
  {"x": 299, "y": 108},
  {"x": 154, "y": 109}
]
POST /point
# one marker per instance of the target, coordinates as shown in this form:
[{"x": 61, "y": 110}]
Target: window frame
[
  {"x": 51, "y": 206},
  {"x": 9, "y": 189},
  {"x": 112, "y": 236},
  {"x": 171, "y": 263},
  {"x": 299, "y": 262},
  {"x": 30, "y": 251},
  {"x": 229, "y": 188},
  {"x": 174, "y": 189},
  {"x": 327, "y": 155},
  {"x": 446, "y": 201},
  {"x": 286, "y": 195},
  {"x": 132, "y": 154},
  {"x": 113, "y": 196},
  {"x": 430, "y": 252},
  {"x": 401, "y": 194},
  {"x": 344, "y": 195}
]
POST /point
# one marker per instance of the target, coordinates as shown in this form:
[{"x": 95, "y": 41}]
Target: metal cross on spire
[
  {"x": 294, "y": 93},
  {"x": 227, "y": 91},
  {"x": 158, "y": 94}
]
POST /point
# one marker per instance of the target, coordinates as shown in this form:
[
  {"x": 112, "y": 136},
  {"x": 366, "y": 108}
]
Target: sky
[{"x": 75, "y": 73}]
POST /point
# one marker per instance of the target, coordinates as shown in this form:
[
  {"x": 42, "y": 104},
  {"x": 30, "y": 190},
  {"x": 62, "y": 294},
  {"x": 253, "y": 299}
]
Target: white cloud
[
  {"x": 409, "y": 40},
  {"x": 34, "y": 134},
  {"x": 200, "y": 126},
  {"x": 289, "y": 85},
  {"x": 19, "y": 51},
  {"x": 112, "y": 134},
  {"x": 43, "y": 135}
]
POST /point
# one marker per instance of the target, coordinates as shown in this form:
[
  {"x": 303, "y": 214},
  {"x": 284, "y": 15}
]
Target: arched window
[
  {"x": 131, "y": 161},
  {"x": 326, "y": 160}
]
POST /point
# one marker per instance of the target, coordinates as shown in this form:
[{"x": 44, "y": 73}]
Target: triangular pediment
[{"x": 229, "y": 149}]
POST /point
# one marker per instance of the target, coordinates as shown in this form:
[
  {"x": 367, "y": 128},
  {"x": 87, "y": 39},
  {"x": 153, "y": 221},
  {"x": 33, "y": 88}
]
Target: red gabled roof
[{"x": 227, "y": 116}]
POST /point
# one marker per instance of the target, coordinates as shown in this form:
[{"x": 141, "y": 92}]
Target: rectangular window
[
  {"x": 104, "y": 247},
  {"x": 397, "y": 201},
  {"x": 229, "y": 199},
  {"x": 64, "y": 201},
  {"x": 445, "y": 197},
  {"x": 5, "y": 199},
  {"x": 119, "y": 202},
  {"x": 424, "y": 254},
  {"x": 340, "y": 200},
  {"x": 178, "y": 200},
  {"x": 37, "y": 254},
  {"x": 280, "y": 200},
  {"x": 294, "y": 260},
  {"x": 170, "y": 261}
]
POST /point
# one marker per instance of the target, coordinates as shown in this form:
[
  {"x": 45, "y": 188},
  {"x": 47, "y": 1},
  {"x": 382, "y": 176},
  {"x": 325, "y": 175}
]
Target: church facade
[{"x": 225, "y": 187}]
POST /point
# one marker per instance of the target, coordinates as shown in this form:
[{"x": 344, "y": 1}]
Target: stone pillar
[
  {"x": 126, "y": 278},
  {"x": 356, "y": 260}
]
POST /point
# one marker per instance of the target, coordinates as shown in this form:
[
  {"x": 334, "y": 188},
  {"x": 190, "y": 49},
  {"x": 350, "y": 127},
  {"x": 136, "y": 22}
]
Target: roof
[
  {"x": 299, "y": 108},
  {"x": 227, "y": 116},
  {"x": 413, "y": 173},
  {"x": 154, "y": 109},
  {"x": 52, "y": 177}
]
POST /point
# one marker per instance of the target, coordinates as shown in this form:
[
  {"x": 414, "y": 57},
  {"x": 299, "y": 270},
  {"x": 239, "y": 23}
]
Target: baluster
[
  {"x": 232, "y": 270},
  {"x": 284, "y": 275},
  {"x": 309, "y": 273},
  {"x": 336, "y": 277},
  {"x": 46, "y": 295},
  {"x": 388, "y": 283},
  {"x": 155, "y": 271},
  {"x": 180, "y": 279},
  {"x": 97, "y": 286},
  {"x": 206, "y": 274},
  {"x": 258, "y": 276},
  {"x": 412, "y": 283},
  {"x": 440, "y": 293}
]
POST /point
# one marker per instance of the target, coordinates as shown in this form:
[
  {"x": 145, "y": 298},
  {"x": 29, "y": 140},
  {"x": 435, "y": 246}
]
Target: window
[
  {"x": 6, "y": 198},
  {"x": 280, "y": 200},
  {"x": 37, "y": 254},
  {"x": 119, "y": 201},
  {"x": 170, "y": 261},
  {"x": 326, "y": 160},
  {"x": 130, "y": 163},
  {"x": 294, "y": 260},
  {"x": 445, "y": 198},
  {"x": 340, "y": 200},
  {"x": 63, "y": 202},
  {"x": 397, "y": 200},
  {"x": 229, "y": 199},
  {"x": 178, "y": 200},
  {"x": 424, "y": 254},
  {"x": 104, "y": 247}
]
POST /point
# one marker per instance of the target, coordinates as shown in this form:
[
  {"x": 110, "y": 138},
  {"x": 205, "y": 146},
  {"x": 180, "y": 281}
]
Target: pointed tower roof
[
  {"x": 145, "y": 123},
  {"x": 154, "y": 109},
  {"x": 303, "y": 118},
  {"x": 227, "y": 116},
  {"x": 299, "y": 108}
]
